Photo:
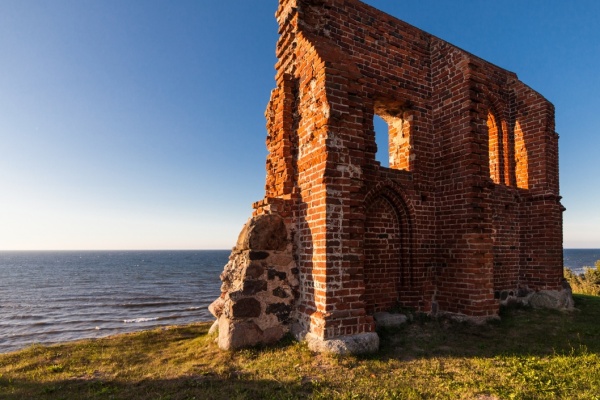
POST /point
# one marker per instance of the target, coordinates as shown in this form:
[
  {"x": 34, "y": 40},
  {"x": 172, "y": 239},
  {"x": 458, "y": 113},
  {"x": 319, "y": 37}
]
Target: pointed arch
[
  {"x": 494, "y": 149},
  {"x": 521, "y": 158},
  {"x": 387, "y": 247},
  {"x": 501, "y": 151}
]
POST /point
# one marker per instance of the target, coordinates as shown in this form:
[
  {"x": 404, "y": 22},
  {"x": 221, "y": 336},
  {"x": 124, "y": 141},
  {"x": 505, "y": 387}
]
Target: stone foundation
[
  {"x": 554, "y": 299},
  {"x": 259, "y": 286}
]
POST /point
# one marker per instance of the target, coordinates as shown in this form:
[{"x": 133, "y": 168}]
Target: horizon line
[
  {"x": 38, "y": 250},
  {"x": 199, "y": 249}
]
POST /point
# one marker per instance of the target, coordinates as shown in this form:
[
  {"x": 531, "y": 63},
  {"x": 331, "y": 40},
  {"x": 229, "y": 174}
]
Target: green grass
[
  {"x": 529, "y": 354},
  {"x": 587, "y": 282}
]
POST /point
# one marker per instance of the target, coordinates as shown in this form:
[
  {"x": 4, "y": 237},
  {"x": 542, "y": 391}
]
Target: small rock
[
  {"x": 216, "y": 307},
  {"x": 246, "y": 308},
  {"x": 281, "y": 310},
  {"x": 214, "y": 327},
  {"x": 389, "y": 320},
  {"x": 253, "y": 287},
  {"x": 362, "y": 343}
]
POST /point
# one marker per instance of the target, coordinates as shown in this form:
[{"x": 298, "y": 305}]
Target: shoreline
[
  {"x": 529, "y": 353},
  {"x": 108, "y": 336}
]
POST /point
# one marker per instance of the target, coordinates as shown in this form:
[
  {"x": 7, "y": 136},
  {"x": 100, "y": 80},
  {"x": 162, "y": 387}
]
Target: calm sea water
[
  {"x": 576, "y": 259},
  {"x": 49, "y": 297}
]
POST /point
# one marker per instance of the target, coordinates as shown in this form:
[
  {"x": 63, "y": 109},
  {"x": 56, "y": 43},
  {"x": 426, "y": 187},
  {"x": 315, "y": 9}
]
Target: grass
[
  {"x": 529, "y": 354},
  {"x": 587, "y": 282}
]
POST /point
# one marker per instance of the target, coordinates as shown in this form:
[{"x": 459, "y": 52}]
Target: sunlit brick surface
[{"x": 470, "y": 207}]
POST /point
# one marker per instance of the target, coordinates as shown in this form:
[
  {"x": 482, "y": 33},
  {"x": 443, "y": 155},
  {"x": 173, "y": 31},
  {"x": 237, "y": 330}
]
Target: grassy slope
[{"x": 529, "y": 354}]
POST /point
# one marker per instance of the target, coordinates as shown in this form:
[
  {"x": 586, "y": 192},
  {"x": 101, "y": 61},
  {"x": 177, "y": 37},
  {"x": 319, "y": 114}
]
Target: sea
[
  {"x": 56, "y": 296},
  {"x": 49, "y": 297}
]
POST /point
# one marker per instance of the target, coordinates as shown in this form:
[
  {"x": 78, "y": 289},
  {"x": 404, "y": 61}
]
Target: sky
[{"x": 139, "y": 124}]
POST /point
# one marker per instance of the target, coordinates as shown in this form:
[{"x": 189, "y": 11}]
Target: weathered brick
[{"x": 469, "y": 209}]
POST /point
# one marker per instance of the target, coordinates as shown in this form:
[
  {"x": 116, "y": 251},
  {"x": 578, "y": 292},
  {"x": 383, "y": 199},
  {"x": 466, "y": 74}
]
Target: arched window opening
[
  {"x": 494, "y": 149},
  {"x": 521, "y": 158}
]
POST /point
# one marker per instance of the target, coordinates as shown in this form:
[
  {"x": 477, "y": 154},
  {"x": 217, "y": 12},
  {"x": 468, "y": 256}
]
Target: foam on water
[
  {"x": 50, "y": 297},
  {"x": 136, "y": 320}
]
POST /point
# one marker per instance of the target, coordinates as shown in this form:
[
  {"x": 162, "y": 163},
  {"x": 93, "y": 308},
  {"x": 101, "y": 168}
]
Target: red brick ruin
[{"x": 467, "y": 216}]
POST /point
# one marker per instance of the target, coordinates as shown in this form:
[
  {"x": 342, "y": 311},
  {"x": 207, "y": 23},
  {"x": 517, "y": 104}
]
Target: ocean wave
[
  {"x": 144, "y": 304},
  {"x": 62, "y": 296},
  {"x": 138, "y": 320}
]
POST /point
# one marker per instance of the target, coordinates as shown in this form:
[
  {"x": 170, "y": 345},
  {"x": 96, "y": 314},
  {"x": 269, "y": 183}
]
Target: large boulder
[{"x": 555, "y": 299}]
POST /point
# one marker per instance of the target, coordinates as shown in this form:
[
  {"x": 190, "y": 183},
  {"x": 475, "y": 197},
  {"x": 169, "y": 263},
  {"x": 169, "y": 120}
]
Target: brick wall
[{"x": 470, "y": 205}]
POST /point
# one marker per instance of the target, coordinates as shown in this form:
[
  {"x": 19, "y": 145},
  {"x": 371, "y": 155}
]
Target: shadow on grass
[
  {"x": 421, "y": 360},
  {"x": 193, "y": 387},
  {"x": 520, "y": 331},
  {"x": 215, "y": 375}
]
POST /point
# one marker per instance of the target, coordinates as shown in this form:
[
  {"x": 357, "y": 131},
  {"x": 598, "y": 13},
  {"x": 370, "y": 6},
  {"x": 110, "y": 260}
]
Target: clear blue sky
[{"x": 140, "y": 124}]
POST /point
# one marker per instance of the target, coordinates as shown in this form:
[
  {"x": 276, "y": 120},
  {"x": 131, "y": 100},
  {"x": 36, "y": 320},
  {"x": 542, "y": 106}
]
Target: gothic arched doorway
[{"x": 386, "y": 249}]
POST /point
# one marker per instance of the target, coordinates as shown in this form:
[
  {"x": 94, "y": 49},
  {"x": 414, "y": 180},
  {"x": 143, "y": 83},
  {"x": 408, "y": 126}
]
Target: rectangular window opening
[{"x": 393, "y": 138}]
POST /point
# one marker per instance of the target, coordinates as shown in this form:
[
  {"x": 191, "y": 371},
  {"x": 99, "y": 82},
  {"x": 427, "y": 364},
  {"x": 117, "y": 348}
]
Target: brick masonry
[{"x": 467, "y": 215}]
